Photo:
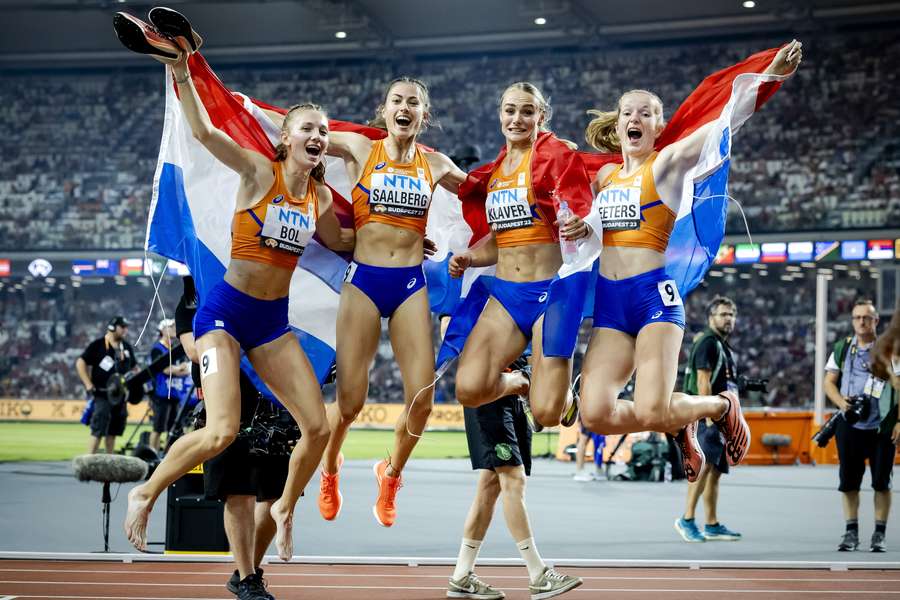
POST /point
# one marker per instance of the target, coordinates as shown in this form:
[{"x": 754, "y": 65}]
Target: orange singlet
[
  {"x": 394, "y": 193},
  {"x": 633, "y": 213},
  {"x": 276, "y": 229},
  {"x": 511, "y": 210}
]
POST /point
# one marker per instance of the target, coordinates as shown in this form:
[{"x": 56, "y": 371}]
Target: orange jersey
[
  {"x": 393, "y": 193},
  {"x": 633, "y": 213},
  {"x": 511, "y": 209},
  {"x": 276, "y": 229}
]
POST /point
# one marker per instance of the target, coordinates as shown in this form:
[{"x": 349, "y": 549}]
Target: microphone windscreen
[{"x": 114, "y": 468}]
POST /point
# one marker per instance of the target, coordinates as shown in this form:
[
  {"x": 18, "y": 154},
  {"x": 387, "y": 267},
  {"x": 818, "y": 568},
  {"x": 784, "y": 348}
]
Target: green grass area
[{"x": 62, "y": 441}]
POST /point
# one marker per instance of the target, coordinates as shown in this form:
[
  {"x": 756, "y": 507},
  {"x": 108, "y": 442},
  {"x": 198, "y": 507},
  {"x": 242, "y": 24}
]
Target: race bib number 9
[
  {"x": 619, "y": 207},
  {"x": 400, "y": 195},
  {"x": 508, "y": 209},
  {"x": 287, "y": 228},
  {"x": 668, "y": 291}
]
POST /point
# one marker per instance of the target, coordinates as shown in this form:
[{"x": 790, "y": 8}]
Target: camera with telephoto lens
[
  {"x": 857, "y": 410},
  {"x": 272, "y": 432},
  {"x": 753, "y": 384}
]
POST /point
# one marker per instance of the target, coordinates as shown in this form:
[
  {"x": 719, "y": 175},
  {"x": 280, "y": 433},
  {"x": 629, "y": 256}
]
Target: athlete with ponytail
[
  {"x": 520, "y": 194},
  {"x": 393, "y": 179},
  {"x": 638, "y": 312},
  {"x": 281, "y": 204}
]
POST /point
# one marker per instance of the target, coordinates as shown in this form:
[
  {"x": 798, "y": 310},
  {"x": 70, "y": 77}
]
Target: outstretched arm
[
  {"x": 244, "y": 162},
  {"x": 448, "y": 175},
  {"x": 678, "y": 157}
]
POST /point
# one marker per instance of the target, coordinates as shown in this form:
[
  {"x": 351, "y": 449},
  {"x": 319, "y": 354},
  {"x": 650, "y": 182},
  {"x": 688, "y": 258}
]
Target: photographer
[
  {"x": 711, "y": 370},
  {"x": 171, "y": 386},
  {"x": 865, "y": 431},
  {"x": 108, "y": 357}
]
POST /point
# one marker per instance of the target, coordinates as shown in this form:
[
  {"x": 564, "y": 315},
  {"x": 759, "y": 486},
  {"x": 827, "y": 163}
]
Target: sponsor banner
[{"x": 378, "y": 416}]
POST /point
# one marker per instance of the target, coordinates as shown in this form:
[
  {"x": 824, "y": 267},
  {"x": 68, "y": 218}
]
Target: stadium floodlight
[
  {"x": 540, "y": 21},
  {"x": 340, "y": 34},
  {"x": 749, "y": 4}
]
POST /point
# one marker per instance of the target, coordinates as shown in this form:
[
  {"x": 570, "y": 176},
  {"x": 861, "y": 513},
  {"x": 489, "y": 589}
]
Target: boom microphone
[{"x": 109, "y": 468}]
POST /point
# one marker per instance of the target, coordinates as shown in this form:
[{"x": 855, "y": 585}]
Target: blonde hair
[
  {"x": 427, "y": 121},
  {"x": 281, "y": 151},
  {"x": 601, "y": 131},
  {"x": 530, "y": 88}
]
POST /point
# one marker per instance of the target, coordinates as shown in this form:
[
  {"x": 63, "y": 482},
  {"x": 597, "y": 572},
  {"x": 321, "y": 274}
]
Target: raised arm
[
  {"x": 244, "y": 162},
  {"x": 446, "y": 173},
  {"x": 676, "y": 158}
]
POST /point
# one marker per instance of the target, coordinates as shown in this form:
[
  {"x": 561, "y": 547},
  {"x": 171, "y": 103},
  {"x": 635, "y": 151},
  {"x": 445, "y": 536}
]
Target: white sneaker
[
  {"x": 473, "y": 588},
  {"x": 551, "y": 584},
  {"x": 583, "y": 476}
]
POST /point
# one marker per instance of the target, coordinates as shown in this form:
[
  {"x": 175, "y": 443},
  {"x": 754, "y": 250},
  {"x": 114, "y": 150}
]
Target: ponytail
[{"x": 601, "y": 131}]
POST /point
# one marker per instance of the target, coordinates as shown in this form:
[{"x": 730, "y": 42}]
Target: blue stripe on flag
[
  {"x": 443, "y": 291},
  {"x": 324, "y": 264},
  {"x": 464, "y": 319}
]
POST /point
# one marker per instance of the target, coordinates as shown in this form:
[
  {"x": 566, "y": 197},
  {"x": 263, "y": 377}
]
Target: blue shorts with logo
[
  {"x": 250, "y": 321},
  {"x": 627, "y": 305},
  {"x": 386, "y": 287},
  {"x": 525, "y": 301}
]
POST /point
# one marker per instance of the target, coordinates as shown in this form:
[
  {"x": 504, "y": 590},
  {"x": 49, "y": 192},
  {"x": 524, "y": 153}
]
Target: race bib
[
  {"x": 400, "y": 195},
  {"x": 287, "y": 228},
  {"x": 508, "y": 209},
  {"x": 620, "y": 206},
  {"x": 668, "y": 291},
  {"x": 107, "y": 363}
]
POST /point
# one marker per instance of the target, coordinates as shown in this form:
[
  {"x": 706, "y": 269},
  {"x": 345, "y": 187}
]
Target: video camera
[
  {"x": 273, "y": 432},
  {"x": 130, "y": 386},
  {"x": 857, "y": 410}
]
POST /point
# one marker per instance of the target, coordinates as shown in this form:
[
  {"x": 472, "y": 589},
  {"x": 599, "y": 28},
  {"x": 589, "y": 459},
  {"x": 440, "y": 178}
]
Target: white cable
[
  {"x": 150, "y": 313},
  {"x": 740, "y": 208},
  {"x": 438, "y": 374}
]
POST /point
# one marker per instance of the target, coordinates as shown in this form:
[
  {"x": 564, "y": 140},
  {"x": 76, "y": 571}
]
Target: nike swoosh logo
[{"x": 468, "y": 546}]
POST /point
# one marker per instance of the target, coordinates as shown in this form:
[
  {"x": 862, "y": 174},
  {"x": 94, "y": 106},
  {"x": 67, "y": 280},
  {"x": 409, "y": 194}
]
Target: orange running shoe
[
  {"x": 330, "y": 498},
  {"x": 385, "y": 509},
  {"x": 734, "y": 429},
  {"x": 692, "y": 457}
]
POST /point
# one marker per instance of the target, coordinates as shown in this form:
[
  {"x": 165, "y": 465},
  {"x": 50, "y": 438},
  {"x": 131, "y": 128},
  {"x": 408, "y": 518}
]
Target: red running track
[{"x": 96, "y": 580}]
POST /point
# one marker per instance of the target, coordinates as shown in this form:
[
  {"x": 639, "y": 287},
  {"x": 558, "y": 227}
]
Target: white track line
[
  {"x": 424, "y": 588},
  {"x": 277, "y": 574}
]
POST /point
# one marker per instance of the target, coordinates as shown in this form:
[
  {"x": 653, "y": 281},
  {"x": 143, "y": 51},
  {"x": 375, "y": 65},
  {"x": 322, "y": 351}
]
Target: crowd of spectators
[{"x": 79, "y": 148}]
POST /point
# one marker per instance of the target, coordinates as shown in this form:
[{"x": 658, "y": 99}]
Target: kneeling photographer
[{"x": 867, "y": 427}]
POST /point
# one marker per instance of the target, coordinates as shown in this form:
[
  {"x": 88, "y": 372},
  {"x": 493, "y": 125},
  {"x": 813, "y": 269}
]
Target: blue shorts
[
  {"x": 386, "y": 287},
  {"x": 250, "y": 321},
  {"x": 627, "y": 305},
  {"x": 525, "y": 301}
]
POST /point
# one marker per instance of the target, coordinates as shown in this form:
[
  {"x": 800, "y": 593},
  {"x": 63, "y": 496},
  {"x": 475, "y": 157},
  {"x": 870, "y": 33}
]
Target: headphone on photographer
[{"x": 117, "y": 321}]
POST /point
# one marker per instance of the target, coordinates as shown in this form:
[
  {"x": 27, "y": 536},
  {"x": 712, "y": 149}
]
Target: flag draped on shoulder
[
  {"x": 194, "y": 199},
  {"x": 726, "y": 98}
]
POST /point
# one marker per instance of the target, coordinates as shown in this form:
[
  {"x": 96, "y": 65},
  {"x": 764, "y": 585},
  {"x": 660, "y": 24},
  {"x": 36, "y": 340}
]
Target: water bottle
[{"x": 568, "y": 248}]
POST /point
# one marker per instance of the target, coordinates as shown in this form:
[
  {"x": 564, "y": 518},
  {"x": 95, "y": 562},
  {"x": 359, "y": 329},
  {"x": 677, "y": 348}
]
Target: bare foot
[
  {"x": 284, "y": 536},
  {"x": 136, "y": 517},
  {"x": 515, "y": 384}
]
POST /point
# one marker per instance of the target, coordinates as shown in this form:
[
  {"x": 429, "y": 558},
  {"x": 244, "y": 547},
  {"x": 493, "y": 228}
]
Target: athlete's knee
[
  {"x": 468, "y": 391},
  {"x": 350, "y": 405},
  {"x": 547, "y": 415},
  {"x": 650, "y": 418},
  {"x": 317, "y": 434},
  {"x": 596, "y": 416},
  {"x": 218, "y": 437},
  {"x": 512, "y": 482}
]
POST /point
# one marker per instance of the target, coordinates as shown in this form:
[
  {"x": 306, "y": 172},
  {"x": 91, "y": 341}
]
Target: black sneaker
[
  {"x": 850, "y": 542},
  {"x": 252, "y": 587},
  {"x": 235, "y": 579},
  {"x": 878, "y": 544}
]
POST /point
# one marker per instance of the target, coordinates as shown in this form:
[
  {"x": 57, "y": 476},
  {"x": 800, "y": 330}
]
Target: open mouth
[
  {"x": 634, "y": 134},
  {"x": 313, "y": 150},
  {"x": 403, "y": 121}
]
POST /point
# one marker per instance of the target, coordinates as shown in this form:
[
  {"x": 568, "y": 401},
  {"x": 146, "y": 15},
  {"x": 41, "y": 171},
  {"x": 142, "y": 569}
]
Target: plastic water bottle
[{"x": 568, "y": 248}]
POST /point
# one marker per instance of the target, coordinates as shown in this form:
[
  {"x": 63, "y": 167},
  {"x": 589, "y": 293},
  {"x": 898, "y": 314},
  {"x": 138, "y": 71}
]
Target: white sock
[
  {"x": 532, "y": 559},
  {"x": 465, "y": 562}
]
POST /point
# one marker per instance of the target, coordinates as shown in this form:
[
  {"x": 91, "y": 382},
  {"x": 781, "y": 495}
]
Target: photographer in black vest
[
  {"x": 711, "y": 370},
  {"x": 867, "y": 428},
  {"x": 109, "y": 359}
]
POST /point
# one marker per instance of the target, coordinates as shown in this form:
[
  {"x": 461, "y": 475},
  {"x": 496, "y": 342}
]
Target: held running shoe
[
  {"x": 551, "y": 584},
  {"x": 472, "y": 587},
  {"x": 688, "y": 530},
  {"x": 720, "y": 533},
  {"x": 144, "y": 38},
  {"x": 570, "y": 412},
  {"x": 735, "y": 430},
  {"x": 692, "y": 458},
  {"x": 385, "y": 509},
  {"x": 175, "y": 25},
  {"x": 878, "y": 544},
  {"x": 850, "y": 542},
  {"x": 330, "y": 498}
]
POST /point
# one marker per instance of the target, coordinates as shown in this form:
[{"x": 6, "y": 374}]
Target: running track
[{"x": 100, "y": 580}]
